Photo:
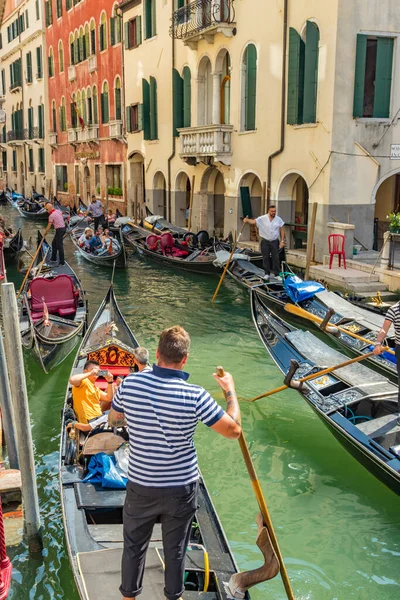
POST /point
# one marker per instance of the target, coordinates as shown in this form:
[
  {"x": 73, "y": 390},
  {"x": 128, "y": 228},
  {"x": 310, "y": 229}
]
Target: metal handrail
[{"x": 199, "y": 15}]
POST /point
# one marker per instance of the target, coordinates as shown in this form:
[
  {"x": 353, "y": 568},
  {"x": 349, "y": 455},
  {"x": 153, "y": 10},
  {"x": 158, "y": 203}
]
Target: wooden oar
[
  {"x": 228, "y": 263},
  {"x": 300, "y": 312},
  {"x": 30, "y": 268},
  {"x": 315, "y": 375},
  {"x": 266, "y": 540}
]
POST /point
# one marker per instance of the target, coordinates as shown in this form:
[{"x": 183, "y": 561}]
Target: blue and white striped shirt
[{"x": 162, "y": 410}]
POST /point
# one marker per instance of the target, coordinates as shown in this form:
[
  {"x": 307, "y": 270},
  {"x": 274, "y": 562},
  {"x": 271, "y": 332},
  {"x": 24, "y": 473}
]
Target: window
[
  {"x": 61, "y": 56},
  {"x": 3, "y": 81},
  {"x": 26, "y": 19},
  {"x": 73, "y": 112},
  {"x": 373, "y": 77},
  {"x": 37, "y": 10},
  {"x": 54, "y": 116},
  {"x": 92, "y": 37},
  {"x": 29, "y": 75},
  {"x": 95, "y": 107},
  {"x": 41, "y": 160},
  {"x": 71, "y": 50},
  {"x": 249, "y": 68},
  {"x": 150, "y": 18},
  {"x": 150, "y": 125},
  {"x": 4, "y": 159},
  {"x": 59, "y": 8},
  {"x": 87, "y": 41},
  {"x": 115, "y": 28},
  {"x": 41, "y": 121},
  {"x": 133, "y": 33},
  {"x": 113, "y": 174},
  {"x": 97, "y": 178},
  {"x": 105, "y": 111},
  {"x": 103, "y": 32},
  {"x": 3, "y": 134},
  {"x": 30, "y": 160},
  {"x": 14, "y": 160},
  {"x": 30, "y": 123},
  {"x": 133, "y": 117},
  {"x": 15, "y": 74},
  {"x": 48, "y": 12},
  {"x": 76, "y": 48},
  {"x": 63, "y": 116},
  {"x": 39, "y": 72},
  {"x": 1, "y": 41},
  {"x": 225, "y": 90},
  {"x": 181, "y": 99},
  {"x": 61, "y": 178},
  {"x": 89, "y": 107},
  {"x": 303, "y": 76},
  {"x": 51, "y": 62},
  {"x": 117, "y": 99}
]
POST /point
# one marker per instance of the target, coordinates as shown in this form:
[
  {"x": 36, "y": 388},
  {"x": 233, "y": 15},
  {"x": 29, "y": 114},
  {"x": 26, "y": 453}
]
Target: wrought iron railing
[
  {"x": 201, "y": 14},
  {"x": 15, "y": 134},
  {"x": 32, "y": 133}
]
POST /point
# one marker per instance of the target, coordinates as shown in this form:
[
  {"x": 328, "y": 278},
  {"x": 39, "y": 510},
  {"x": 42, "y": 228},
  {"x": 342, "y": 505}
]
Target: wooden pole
[
  {"x": 191, "y": 203},
  {"x": 23, "y": 428},
  {"x": 310, "y": 241},
  {"x": 265, "y": 199},
  {"x": 30, "y": 268},
  {"x": 228, "y": 262},
  {"x": 7, "y": 412}
]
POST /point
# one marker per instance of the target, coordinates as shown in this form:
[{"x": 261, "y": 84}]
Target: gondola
[
  {"x": 36, "y": 210},
  {"x": 357, "y": 405},
  {"x": 102, "y": 260},
  {"x": 92, "y": 514},
  {"x": 317, "y": 301},
  {"x": 12, "y": 246},
  {"x": 53, "y": 311},
  {"x": 3, "y": 198},
  {"x": 14, "y": 198}
]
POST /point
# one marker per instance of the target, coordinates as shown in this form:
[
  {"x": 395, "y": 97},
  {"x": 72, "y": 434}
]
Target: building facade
[
  {"x": 26, "y": 156},
  {"x": 84, "y": 62}
]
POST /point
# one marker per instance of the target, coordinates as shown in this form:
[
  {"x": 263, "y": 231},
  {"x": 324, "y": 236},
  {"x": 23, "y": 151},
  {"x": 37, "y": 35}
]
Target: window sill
[
  {"x": 372, "y": 120},
  {"x": 133, "y": 47},
  {"x": 305, "y": 126},
  {"x": 152, "y": 141},
  {"x": 247, "y": 132},
  {"x": 150, "y": 39}
]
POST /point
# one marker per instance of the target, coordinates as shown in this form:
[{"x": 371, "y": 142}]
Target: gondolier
[
  {"x": 96, "y": 209},
  {"x": 392, "y": 318},
  {"x": 57, "y": 220},
  {"x": 272, "y": 233},
  {"x": 162, "y": 410}
]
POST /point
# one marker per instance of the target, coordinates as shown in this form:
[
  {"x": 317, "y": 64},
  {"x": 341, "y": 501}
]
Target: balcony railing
[
  {"x": 93, "y": 132},
  {"x": 15, "y": 134},
  {"x": 32, "y": 133},
  {"x": 52, "y": 138},
  {"x": 206, "y": 143},
  {"x": 203, "y": 18},
  {"x": 14, "y": 86},
  {"x": 92, "y": 63},
  {"x": 71, "y": 72},
  {"x": 115, "y": 129},
  {"x": 72, "y": 135}
]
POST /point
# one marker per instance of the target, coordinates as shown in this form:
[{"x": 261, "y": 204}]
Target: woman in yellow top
[{"x": 89, "y": 402}]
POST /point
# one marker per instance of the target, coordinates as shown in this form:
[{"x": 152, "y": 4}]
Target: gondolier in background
[
  {"x": 96, "y": 210},
  {"x": 56, "y": 219},
  {"x": 392, "y": 318},
  {"x": 272, "y": 232},
  {"x": 162, "y": 410}
]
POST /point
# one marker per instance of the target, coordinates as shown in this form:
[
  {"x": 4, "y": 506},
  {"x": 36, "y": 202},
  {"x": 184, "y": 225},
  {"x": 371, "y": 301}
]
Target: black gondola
[
  {"x": 32, "y": 210},
  {"x": 12, "y": 246},
  {"x": 3, "y": 198},
  {"x": 59, "y": 293},
  {"x": 93, "y": 515},
  {"x": 116, "y": 256},
  {"x": 357, "y": 405},
  {"x": 355, "y": 319}
]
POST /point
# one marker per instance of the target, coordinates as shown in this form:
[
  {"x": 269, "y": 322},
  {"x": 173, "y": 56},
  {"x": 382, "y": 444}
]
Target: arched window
[
  {"x": 51, "y": 62},
  {"x": 205, "y": 92},
  {"x": 87, "y": 41},
  {"x": 54, "y": 116},
  {"x": 103, "y": 32},
  {"x": 78, "y": 109},
  {"x": 187, "y": 96},
  {"x": 61, "y": 56},
  {"x": 82, "y": 45},
  {"x": 95, "y": 106},
  {"x": 83, "y": 107},
  {"x": 115, "y": 27},
  {"x": 105, "y": 110},
  {"x": 76, "y": 48},
  {"x": 225, "y": 91},
  {"x": 73, "y": 112},
  {"x": 71, "y": 49},
  {"x": 63, "y": 117},
  {"x": 117, "y": 99},
  {"x": 249, "y": 88},
  {"x": 89, "y": 106},
  {"x": 92, "y": 37}
]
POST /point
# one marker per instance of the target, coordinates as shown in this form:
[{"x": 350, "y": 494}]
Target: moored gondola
[
  {"x": 115, "y": 253},
  {"x": 3, "y": 198},
  {"x": 32, "y": 209},
  {"x": 53, "y": 311},
  {"x": 13, "y": 245},
  {"x": 14, "y": 198},
  {"x": 93, "y": 515},
  {"x": 358, "y": 405}
]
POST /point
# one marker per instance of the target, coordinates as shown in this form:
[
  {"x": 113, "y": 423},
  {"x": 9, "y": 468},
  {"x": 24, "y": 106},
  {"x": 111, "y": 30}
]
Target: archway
[
  {"x": 136, "y": 188},
  {"x": 251, "y": 203},
  {"x": 213, "y": 192},
  {"x": 292, "y": 205},
  {"x": 86, "y": 185},
  {"x": 222, "y": 71},
  {"x": 204, "y": 92},
  {"x": 159, "y": 195},
  {"x": 387, "y": 200},
  {"x": 181, "y": 202}
]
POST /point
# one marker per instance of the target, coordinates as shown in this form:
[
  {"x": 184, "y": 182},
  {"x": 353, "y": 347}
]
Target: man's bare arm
[{"x": 116, "y": 419}]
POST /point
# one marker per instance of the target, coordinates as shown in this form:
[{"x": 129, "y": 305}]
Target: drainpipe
[
  {"x": 283, "y": 102},
  {"x": 25, "y": 174},
  {"x": 120, "y": 14},
  {"x": 172, "y": 129}
]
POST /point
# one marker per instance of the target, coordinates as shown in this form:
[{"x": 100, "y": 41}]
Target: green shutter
[
  {"x": 359, "y": 80},
  {"x": 140, "y": 117},
  {"x": 118, "y": 111},
  {"x": 112, "y": 31},
  {"x": 26, "y": 19},
  {"x": 246, "y": 201},
  {"x": 187, "y": 97},
  {"x": 126, "y": 35},
  {"x": 128, "y": 119},
  {"x": 311, "y": 73},
  {"x": 102, "y": 109},
  {"x": 149, "y": 17},
  {"x": 295, "y": 78},
  {"x": 146, "y": 109},
  {"x": 177, "y": 92},
  {"x": 153, "y": 18},
  {"x": 153, "y": 109},
  {"x": 138, "y": 30},
  {"x": 383, "y": 78},
  {"x": 251, "y": 87}
]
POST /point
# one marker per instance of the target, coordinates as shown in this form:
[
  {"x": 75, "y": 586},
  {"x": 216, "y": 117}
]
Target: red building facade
[{"x": 85, "y": 99}]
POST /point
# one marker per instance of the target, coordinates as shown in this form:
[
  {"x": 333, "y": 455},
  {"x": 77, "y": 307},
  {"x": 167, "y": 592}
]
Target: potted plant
[
  {"x": 394, "y": 222},
  {"x": 65, "y": 187}
]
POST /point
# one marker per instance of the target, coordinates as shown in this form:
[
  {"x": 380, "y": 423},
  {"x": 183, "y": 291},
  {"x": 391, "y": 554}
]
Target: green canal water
[{"x": 338, "y": 527}]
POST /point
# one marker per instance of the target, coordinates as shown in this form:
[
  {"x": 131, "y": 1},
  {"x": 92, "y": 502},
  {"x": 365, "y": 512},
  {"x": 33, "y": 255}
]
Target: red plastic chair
[{"x": 336, "y": 246}]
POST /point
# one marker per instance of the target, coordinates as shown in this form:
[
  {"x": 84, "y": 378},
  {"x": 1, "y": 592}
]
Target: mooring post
[
  {"x": 19, "y": 394},
  {"x": 7, "y": 411}
]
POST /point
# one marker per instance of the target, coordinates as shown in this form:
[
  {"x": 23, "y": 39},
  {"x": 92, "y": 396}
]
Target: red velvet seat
[
  {"x": 153, "y": 241},
  {"x": 168, "y": 246},
  {"x": 58, "y": 293}
]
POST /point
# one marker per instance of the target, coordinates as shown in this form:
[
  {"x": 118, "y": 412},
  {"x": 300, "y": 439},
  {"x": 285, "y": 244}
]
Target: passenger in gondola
[
  {"x": 95, "y": 243},
  {"x": 90, "y": 403},
  {"x": 85, "y": 238},
  {"x": 111, "y": 217}
]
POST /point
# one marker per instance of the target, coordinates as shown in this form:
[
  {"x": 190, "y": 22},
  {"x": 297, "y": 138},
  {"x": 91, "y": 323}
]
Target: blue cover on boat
[
  {"x": 299, "y": 290},
  {"x": 103, "y": 470},
  {"x": 387, "y": 355}
]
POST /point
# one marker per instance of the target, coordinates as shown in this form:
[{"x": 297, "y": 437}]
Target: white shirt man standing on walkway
[
  {"x": 272, "y": 234},
  {"x": 162, "y": 411}
]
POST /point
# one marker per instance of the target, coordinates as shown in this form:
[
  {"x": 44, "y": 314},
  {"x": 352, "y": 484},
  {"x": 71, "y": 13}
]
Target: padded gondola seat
[
  {"x": 59, "y": 295},
  {"x": 168, "y": 246},
  {"x": 91, "y": 497}
]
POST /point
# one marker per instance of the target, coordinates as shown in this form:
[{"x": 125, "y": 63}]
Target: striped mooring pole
[{"x": 5, "y": 563}]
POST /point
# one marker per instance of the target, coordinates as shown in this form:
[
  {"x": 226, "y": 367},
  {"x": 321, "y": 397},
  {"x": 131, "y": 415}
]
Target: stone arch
[
  {"x": 86, "y": 185},
  {"x": 386, "y": 199},
  {"x": 181, "y": 199},
  {"x": 212, "y": 212},
  {"x": 292, "y": 205},
  {"x": 204, "y": 92},
  {"x": 159, "y": 194}
]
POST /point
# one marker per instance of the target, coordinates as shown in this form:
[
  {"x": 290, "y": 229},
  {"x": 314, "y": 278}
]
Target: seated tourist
[
  {"x": 89, "y": 402},
  {"x": 141, "y": 359},
  {"x": 111, "y": 217},
  {"x": 84, "y": 240},
  {"x": 95, "y": 243},
  {"x": 109, "y": 244}
]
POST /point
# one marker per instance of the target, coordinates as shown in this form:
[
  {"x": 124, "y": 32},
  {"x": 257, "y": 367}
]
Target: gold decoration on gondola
[
  {"x": 377, "y": 300},
  {"x": 112, "y": 356},
  {"x": 353, "y": 328}
]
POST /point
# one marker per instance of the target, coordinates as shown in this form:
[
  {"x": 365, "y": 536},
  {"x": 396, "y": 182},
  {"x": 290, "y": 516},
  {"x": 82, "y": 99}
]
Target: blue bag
[
  {"x": 104, "y": 471},
  {"x": 299, "y": 290}
]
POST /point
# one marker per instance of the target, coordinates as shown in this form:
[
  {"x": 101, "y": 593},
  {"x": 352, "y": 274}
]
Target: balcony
[
  {"x": 82, "y": 134},
  {"x": 206, "y": 143},
  {"x": 72, "y": 136},
  {"x": 202, "y": 20},
  {"x": 53, "y": 138},
  {"x": 115, "y": 129},
  {"x": 92, "y": 63},
  {"x": 93, "y": 132},
  {"x": 71, "y": 72},
  {"x": 33, "y": 133},
  {"x": 16, "y": 86},
  {"x": 15, "y": 135}
]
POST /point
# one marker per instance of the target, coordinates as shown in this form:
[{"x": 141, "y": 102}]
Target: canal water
[{"x": 338, "y": 527}]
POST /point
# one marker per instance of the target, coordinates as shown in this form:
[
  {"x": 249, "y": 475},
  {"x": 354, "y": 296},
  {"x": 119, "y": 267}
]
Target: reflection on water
[{"x": 338, "y": 527}]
